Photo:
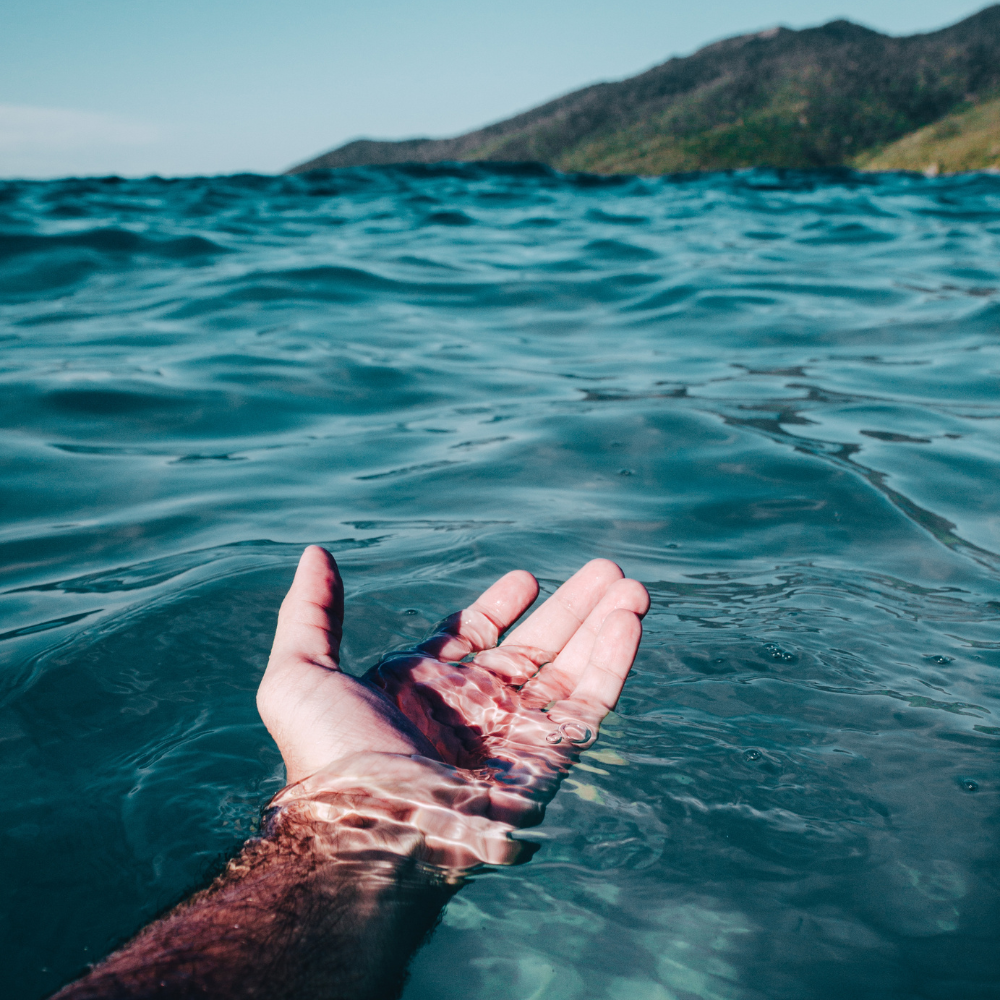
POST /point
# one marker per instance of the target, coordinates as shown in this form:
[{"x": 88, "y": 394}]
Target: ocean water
[{"x": 772, "y": 397}]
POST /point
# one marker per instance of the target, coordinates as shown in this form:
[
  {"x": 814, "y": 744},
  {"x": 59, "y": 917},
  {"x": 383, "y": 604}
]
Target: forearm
[{"x": 292, "y": 916}]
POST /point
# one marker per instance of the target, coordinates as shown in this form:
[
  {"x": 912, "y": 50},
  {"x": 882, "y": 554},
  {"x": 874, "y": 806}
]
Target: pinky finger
[{"x": 610, "y": 661}]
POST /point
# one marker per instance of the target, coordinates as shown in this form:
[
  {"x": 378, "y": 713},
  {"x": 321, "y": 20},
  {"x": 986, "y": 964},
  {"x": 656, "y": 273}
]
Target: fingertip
[
  {"x": 508, "y": 598},
  {"x": 317, "y": 554},
  {"x": 632, "y": 596},
  {"x": 646, "y": 601},
  {"x": 525, "y": 582},
  {"x": 622, "y": 622},
  {"x": 318, "y": 565},
  {"x": 317, "y": 583},
  {"x": 605, "y": 569}
]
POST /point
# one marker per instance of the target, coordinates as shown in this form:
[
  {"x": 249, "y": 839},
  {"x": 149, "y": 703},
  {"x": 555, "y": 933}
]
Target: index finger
[{"x": 480, "y": 625}]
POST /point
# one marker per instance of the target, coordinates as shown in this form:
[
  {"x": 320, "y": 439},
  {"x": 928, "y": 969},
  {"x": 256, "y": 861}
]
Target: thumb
[{"x": 311, "y": 619}]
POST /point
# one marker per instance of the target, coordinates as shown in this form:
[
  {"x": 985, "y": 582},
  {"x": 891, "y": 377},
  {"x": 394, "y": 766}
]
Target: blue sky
[{"x": 216, "y": 86}]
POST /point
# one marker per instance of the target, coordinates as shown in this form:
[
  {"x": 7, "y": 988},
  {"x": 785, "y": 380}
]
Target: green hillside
[
  {"x": 966, "y": 140},
  {"x": 835, "y": 95}
]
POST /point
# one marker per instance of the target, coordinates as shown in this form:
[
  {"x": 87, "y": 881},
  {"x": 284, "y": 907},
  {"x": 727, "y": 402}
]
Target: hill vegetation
[
  {"x": 835, "y": 95},
  {"x": 969, "y": 139}
]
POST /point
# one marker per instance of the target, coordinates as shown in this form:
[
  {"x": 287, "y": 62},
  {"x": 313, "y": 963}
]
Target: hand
[{"x": 515, "y": 715}]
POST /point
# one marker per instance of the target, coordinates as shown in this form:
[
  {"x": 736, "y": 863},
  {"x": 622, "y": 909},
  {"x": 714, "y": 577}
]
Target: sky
[{"x": 177, "y": 87}]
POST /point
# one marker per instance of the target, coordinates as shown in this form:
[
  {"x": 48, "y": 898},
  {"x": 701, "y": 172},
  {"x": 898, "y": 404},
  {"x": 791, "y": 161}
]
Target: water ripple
[{"x": 770, "y": 394}]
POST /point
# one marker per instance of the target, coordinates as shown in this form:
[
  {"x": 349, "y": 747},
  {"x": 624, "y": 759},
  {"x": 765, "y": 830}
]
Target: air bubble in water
[
  {"x": 752, "y": 755},
  {"x": 969, "y": 785},
  {"x": 779, "y": 654},
  {"x": 575, "y": 732},
  {"x": 553, "y": 737}
]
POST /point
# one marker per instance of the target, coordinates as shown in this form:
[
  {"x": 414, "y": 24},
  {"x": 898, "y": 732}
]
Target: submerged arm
[
  {"x": 286, "y": 919},
  {"x": 353, "y": 868}
]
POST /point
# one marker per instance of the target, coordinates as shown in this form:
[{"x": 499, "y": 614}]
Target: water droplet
[
  {"x": 752, "y": 755},
  {"x": 410, "y": 611},
  {"x": 969, "y": 785},
  {"x": 553, "y": 737},
  {"x": 940, "y": 660}
]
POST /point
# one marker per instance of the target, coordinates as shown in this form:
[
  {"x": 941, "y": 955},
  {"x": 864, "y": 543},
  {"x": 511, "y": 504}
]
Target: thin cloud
[{"x": 38, "y": 141}]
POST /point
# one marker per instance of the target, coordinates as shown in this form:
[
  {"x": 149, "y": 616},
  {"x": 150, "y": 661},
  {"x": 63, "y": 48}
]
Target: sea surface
[{"x": 772, "y": 397}]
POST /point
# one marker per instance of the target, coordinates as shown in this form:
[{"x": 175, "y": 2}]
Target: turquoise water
[{"x": 771, "y": 397}]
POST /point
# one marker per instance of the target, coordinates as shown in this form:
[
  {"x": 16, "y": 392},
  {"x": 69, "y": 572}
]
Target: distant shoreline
[{"x": 839, "y": 95}]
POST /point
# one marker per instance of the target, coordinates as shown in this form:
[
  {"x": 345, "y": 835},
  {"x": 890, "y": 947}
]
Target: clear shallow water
[{"x": 773, "y": 398}]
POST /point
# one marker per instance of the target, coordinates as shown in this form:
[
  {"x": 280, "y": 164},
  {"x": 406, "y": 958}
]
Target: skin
[{"x": 398, "y": 783}]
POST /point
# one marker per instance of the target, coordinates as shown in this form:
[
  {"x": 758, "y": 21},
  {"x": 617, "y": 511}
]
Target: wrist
[{"x": 370, "y": 807}]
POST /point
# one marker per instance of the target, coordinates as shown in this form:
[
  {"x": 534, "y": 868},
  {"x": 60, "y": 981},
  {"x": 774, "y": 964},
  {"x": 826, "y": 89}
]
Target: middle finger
[
  {"x": 557, "y": 620},
  {"x": 560, "y": 677}
]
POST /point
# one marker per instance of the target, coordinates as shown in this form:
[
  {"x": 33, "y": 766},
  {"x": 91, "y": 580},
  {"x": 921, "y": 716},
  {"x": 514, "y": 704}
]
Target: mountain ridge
[{"x": 832, "y": 95}]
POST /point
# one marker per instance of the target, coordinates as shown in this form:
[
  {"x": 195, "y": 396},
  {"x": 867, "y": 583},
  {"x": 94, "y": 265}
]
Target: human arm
[{"x": 398, "y": 783}]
